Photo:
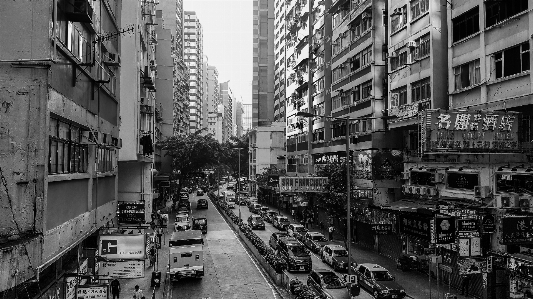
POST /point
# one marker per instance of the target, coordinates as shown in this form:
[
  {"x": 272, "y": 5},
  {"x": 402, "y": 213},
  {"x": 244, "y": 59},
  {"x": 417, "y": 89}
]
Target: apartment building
[
  {"x": 263, "y": 63},
  {"x": 194, "y": 58},
  {"x": 239, "y": 111},
  {"x": 60, "y": 86},
  {"x": 227, "y": 99},
  {"x": 215, "y": 115},
  {"x": 181, "y": 75},
  {"x": 280, "y": 34},
  {"x": 247, "y": 117}
]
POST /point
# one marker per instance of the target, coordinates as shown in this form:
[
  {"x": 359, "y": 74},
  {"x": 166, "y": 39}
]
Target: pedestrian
[
  {"x": 308, "y": 222},
  {"x": 292, "y": 213},
  {"x": 321, "y": 225},
  {"x": 331, "y": 229},
  {"x": 465, "y": 283},
  {"x": 115, "y": 288},
  {"x": 138, "y": 293}
]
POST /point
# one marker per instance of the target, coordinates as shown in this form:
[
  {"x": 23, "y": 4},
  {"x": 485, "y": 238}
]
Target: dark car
[
  {"x": 254, "y": 208},
  {"x": 327, "y": 284},
  {"x": 269, "y": 216},
  {"x": 295, "y": 254},
  {"x": 274, "y": 239},
  {"x": 281, "y": 222},
  {"x": 202, "y": 203},
  {"x": 256, "y": 222},
  {"x": 314, "y": 241},
  {"x": 262, "y": 210},
  {"x": 200, "y": 192},
  {"x": 297, "y": 230},
  {"x": 200, "y": 224},
  {"x": 379, "y": 282}
]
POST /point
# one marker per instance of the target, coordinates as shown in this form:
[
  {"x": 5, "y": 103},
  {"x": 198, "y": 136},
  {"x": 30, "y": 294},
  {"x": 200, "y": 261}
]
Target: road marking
[{"x": 274, "y": 292}]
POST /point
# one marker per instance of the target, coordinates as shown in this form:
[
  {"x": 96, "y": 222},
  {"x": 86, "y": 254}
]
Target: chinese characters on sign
[
  {"x": 382, "y": 229},
  {"x": 130, "y": 212},
  {"x": 517, "y": 230},
  {"x": 302, "y": 184},
  {"x": 409, "y": 110},
  {"x": 92, "y": 292},
  {"x": 122, "y": 269},
  {"x": 444, "y": 230},
  {"x": 122, "y": 246},
  {"x": 453, "y": 130},
  {"x": 416, "y": 226},
  {"x": 467, "y": 227}
]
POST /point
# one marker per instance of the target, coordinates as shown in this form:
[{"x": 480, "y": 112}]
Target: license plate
[{"x": 301, "y": 267}]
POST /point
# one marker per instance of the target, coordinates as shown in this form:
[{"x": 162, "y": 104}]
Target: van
[
  {"x": 229, "y": 197},
  {"x": 186, "y": 255}
]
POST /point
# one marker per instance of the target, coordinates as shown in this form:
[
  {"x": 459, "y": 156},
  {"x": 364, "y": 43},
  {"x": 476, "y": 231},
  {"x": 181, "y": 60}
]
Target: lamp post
[
  {"x": 347, "y": 120},
  {"x": 239, "y": 181}
]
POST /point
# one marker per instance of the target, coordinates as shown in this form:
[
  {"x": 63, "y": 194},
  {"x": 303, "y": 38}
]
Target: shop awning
[{"x": 408, "y": 205}]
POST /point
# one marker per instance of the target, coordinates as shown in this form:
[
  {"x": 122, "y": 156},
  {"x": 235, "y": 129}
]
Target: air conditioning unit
[
  {"x": 423, "y": 190},
  {"x": 406, "y": 175},
  {"x": 526, "y": 203},
  {"x": 481, "y": 191},
  {"x": 432, "y": 191},
  {"x": 366, "y": 15},
  {"x": 411, "y": 44},
  {"x": 112, "y": 59},
  {"x": 507, "y": 200}
]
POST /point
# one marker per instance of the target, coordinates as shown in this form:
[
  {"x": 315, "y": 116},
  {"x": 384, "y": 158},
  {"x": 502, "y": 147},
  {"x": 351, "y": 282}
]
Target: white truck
[
  {"x": 186, "y": 255},
  {"x": 229, "y": 197}
]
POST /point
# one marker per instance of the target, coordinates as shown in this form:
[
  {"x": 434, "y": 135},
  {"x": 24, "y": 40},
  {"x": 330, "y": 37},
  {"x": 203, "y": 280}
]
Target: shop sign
[
  {"x": 467, "y": 227},
  {"x": 472, "y": 266},
  {"x": 323, "y": 159},
  {"x": 302, "y": 184},
  {"x": 462, "y": 180},
  {"x": 444, "y": 230},
  {"x": 473, "y": 130},
  {"x": 273, "y": 180},
  {"x": 122, "y": 269},
  {"x": 130, "y": 212},
  {"x": 129, "y": 247},
  {"x": 92, "y": 292},
  {"x": 520, "y": 267},
  {"x": 72, "y": 281},
  {"x": 488, "y": 224},
  {"x": 362, "y": 193},
  {"x": 448, "y": 257},
  {"x": 382, "y": 229},
  {"x": 517, "y": 230},
  {"x": 416, "y": 226},
  {"x": 469, "y": 246},
  {"x": 408, "y": 110}
]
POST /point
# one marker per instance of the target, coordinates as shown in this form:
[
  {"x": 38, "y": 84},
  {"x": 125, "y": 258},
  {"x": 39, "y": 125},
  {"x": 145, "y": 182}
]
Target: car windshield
[
  {"x": 272, "y": 213},
  {"x": 300, "y": 229},
  {"x": 200, "y": 221},
  {"x": 382, "y": 275},
  {"x": 332, "y": 281},
  {"x": 299, "y": 250},
  {"x": 283, "y": 219},
  {"x": 257, "y": 219},
  {"x": 340, "y": 252},
  {"x": 182, "y": 218},
  {"x": 319, "y": 238}
]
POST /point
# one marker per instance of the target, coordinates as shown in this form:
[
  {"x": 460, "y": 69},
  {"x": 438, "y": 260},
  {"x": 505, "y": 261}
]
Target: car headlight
[
  {"x": 402, "y": 291},
  {"x": 385, "y": 291}
]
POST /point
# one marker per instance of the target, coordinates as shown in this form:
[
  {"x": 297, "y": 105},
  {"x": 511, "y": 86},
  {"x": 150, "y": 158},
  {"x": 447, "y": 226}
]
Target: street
[{"x": 229, "y": 270}]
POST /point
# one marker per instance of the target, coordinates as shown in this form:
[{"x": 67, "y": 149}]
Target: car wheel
[{"x": 376, "y": 294}]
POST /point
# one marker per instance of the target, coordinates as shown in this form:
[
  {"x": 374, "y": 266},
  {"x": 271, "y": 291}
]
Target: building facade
[
  {"x": 60, "y": 85},
  {"x": 263, "y": 63},
  {"x": 280, "y": 56},
  {"x": 194, "y": 59},
  {"x": 239, "y": 111},
  {"x": 227, "y": 99},
  {"x": 266, "y": 146},
  {"x": 247, "y": 117},
  {"x": 215, "y": 116}
]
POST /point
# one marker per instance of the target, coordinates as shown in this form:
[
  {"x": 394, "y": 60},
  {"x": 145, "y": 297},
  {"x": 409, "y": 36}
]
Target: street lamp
[
  {"x": 239, "y": 181},
  {"x": 346, "y": 119}
]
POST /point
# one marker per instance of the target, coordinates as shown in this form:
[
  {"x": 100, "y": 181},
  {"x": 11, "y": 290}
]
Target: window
[
  {"x": 511, "y": 61},
  {"x": 340, "y": 101},
  {"x": 418, "y": 8},
  {"x": 366, "y": 56},
  {"x": 399, "y": 61},
  {"x": 398, "y": 18},
  {"x": 501, "y": 10},
  {"x": 467, "y": 74},
  {"x": 422, "y": 47},
  {"x": 318, "y": 86},
  {"x": 421, "y": 90},
  {"x": 366, "y": 89},
  {"x": 356, "y": 94},
  {"x": 399, "y": 96},
  {"x": 355, "y": 62},
  {"x": 318, "y": 134},
  {"x": 466, "y": 24},
  {"x": 66, "y": 153}
]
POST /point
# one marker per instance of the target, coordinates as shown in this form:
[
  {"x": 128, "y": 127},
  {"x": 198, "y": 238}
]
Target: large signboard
[
  {"x": 444, "y": 230},
  {"x": 416, "y": 226},
  {"x": 72, "y": 281},
  {"x": 92, "y": 292},
  {"x": 517, "y": 230},
  {"x": 470, "y": 131},
  {"x": 122, "y": 269},
  {"x": 302, "y": 184},
  {"x": 130, "y": 212},
  {"x": 125, "y": 247}
]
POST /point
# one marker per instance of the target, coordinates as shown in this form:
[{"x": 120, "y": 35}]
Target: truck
[
  {"x": 186, "y": 255},
  {"x": 229, "y": 197}
]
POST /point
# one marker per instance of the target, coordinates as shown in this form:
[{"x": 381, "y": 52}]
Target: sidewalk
[
  {"x": 413, "y": 278},
  {"x": 127, "y": 285}
]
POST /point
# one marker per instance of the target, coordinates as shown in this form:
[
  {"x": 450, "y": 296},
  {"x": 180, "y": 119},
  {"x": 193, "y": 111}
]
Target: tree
[
  {"x": 230, "y": 155},
  {"x": 262, "y": 179},
  {"x": 334, "y": 198}
]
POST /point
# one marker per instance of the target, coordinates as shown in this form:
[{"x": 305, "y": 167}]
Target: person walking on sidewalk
[
  {"x": 331, "y": 229},
  {"x": 115, "y": 288},
  {"x": 138, "y": 293}
]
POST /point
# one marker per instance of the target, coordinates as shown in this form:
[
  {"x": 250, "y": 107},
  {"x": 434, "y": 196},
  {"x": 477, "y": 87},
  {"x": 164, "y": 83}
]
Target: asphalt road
[{"x": 229, "y": 270}]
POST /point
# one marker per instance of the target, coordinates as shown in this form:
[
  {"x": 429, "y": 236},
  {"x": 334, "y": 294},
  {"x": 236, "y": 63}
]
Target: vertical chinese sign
[{"x": 470, "y": 131}]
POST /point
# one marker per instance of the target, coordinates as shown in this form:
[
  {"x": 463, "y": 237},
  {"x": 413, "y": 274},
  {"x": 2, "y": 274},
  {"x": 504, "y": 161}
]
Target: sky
[{"x": 228, "y": 41}]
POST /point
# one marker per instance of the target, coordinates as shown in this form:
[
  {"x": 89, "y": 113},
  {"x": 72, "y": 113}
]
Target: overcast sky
[{"x": 228, "y": 40}]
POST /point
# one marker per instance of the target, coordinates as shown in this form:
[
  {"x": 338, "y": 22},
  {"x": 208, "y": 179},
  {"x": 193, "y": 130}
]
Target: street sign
[{"x": 349, "y": 278}]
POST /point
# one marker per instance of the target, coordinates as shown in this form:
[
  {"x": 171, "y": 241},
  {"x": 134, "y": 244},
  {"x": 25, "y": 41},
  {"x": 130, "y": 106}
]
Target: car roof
[
  {"x": 324, "y": 271},
  {"x": 296, "y": 225},
  {"x": 335, "y": 246},
  {"x": 373, "y": 267},
  {"x": 315, "y": 234}
]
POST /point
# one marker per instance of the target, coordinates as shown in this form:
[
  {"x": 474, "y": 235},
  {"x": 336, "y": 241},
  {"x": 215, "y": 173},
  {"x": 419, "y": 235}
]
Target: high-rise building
[
  {"x": 263, "y": 65},
  {"x": 227, "y": 100},
  {"x": 239, "y": 112},
  {"x": 61, "y": 99},
  {"x": 194, "y": 59},
  {"x": 247, "y": 118},
  {"x": 280, "y": 33},
  {"x": 215, "y": 116}
]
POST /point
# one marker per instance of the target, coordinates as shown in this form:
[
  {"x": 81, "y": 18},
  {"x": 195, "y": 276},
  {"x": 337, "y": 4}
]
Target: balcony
[
  {"x": 79, "y": 11},
  {"x": 147, "y": 109}
]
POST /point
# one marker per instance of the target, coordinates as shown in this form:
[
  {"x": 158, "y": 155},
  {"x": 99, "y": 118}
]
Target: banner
[
  {"x": 302, "y": 184},
  {"x": 517, "y": 230},
  {"x": 417, "y": 226},
  {"x": 122, "y": 269},
  {"x": 92, "y": 292},
  {"x": 129, "y": 247}
]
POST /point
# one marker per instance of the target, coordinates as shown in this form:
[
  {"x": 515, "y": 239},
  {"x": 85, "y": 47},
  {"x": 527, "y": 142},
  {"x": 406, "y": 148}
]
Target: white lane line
[{"x": 274, "y": 292}]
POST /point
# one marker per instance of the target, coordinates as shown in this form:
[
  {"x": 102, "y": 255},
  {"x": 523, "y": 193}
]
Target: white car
[
  {"x": 296, "y": 230},
  {"x": 336, "y": 256},
  {"x": 182, "y": 222}
]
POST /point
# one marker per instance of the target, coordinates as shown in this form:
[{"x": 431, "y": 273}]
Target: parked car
[
  {"x": 256, "y": 222},
  {"x": 280, "y": 222},
  {"x": 274, "y": 239},
  {"x": 327, "y": 284},
  {"x": 336, "y": 256},
  {"x": 379, "y": 282},
  {"x": 182, "y": 222},
  {"x": 251, "y": 200},
  {"x": 314, "y": 241},
  {"x": 255, "y": 208},
  {"x": 262, "y": 210},
  {"x": 202, "y": 203},
  {"x": 199, "y": 192},
  {"x": 296, "y": 230},
  {"x": 270, "y": 215},
  {"x": 295, "y": 254},
  {"x": 184, "y": 195}
]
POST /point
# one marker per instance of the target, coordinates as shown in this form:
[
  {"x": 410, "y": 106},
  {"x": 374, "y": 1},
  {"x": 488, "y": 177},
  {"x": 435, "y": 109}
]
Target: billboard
[
  {"x": 302, "y": 184},
  {"x": 127, "y": 247},
  {"x": 481, "y": 131},
  {"x": 92, "y": 292},
  {"x": 517, "y": 230},
  {"x": 122, "y": 269},
  {"x": 130, "y": 212}
]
